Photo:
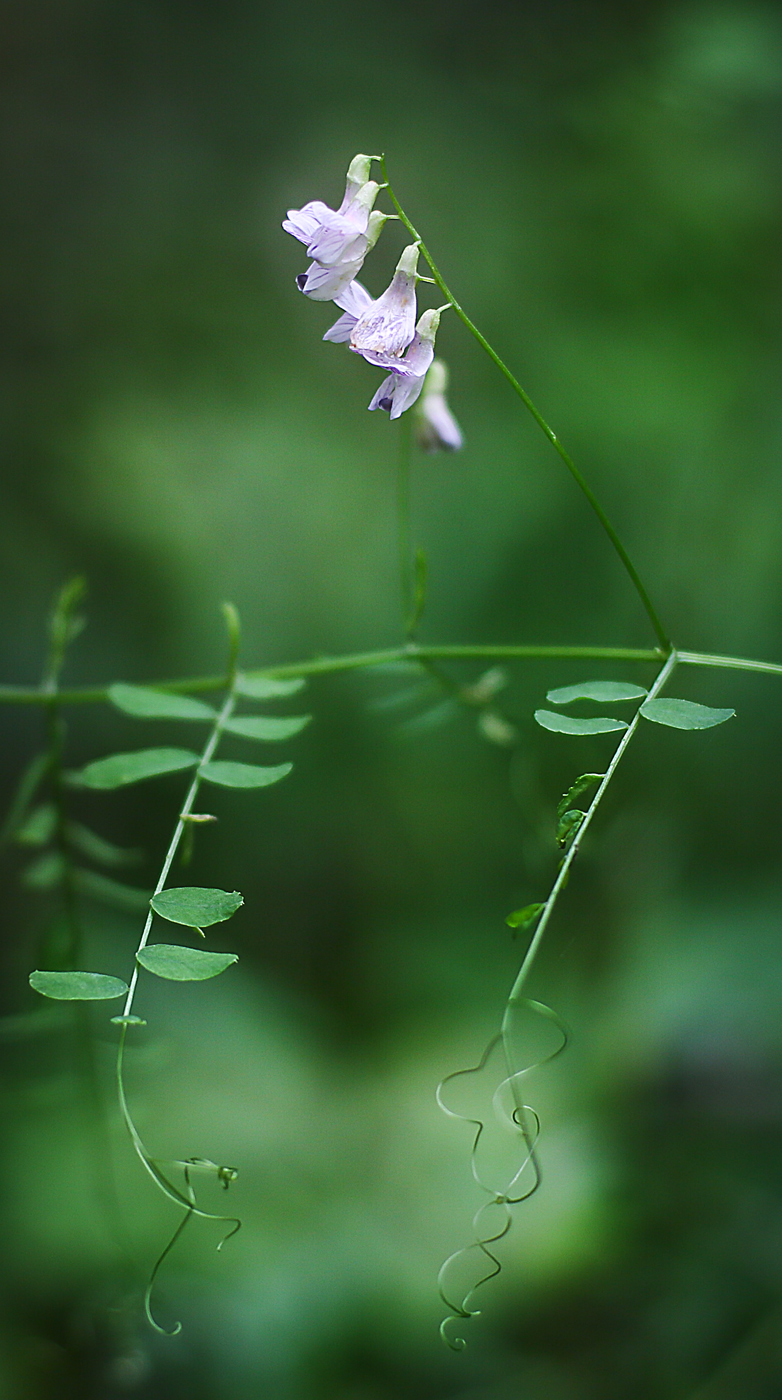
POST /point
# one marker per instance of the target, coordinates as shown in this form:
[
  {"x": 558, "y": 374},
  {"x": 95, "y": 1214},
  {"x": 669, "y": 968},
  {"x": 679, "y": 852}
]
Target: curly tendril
[{"x": 526, "y": 1123}]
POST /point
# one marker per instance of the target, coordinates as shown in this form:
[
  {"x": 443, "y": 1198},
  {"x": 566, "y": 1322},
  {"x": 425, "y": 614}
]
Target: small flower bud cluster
[{"x": 383, "y": 330}]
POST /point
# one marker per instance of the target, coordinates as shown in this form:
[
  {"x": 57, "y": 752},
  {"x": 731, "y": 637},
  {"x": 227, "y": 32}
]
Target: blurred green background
[{"x": 600, "y": 184}]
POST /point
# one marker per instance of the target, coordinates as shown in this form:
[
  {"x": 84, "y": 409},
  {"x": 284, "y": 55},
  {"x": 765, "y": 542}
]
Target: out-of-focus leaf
[
  {"x": 119, "y": 769},
  {"x": 267, "y": 727},
  {"x": 684, "y": 714},
  {"x": 605, "y": 692},
  {"x": 243, "y": 775},
  {"x": 496, "y": 728},
  {"x": 96, "y": 848},
  {"x": 77, "y": 986},
  {"x": 26, "y": 789},
  {"x": 111, "y": 892},
  {"x": 179, "y": 964},
  {"x": 44, "y": 872},
  {"x": 38, "y": 827},
  {"x": 196, "y": 907},
  {"x": 142, "y": 702},
  {"x": 267, "y": 688},
  {"x": 563, "y": 724}
]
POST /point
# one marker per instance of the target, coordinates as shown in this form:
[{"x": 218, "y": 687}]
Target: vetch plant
[{"x": 388, "y": 333}]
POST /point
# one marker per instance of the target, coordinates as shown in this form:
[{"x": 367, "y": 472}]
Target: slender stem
[
  {"x": 732, "y": 663},
  {"x": 214, "y": 738},
  {"x": 403, "y": 522},
  {"x": 564, "y": 869},
  {"x": 541, "y": 422},
  {"x": 351, "y": 661},
  {"x": 361, "y": 660}
]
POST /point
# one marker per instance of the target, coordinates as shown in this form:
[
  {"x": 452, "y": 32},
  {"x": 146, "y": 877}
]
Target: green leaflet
[
  {"x": 39, "y": 826},
  {"x": 122, "y": 768},
  {"x": 196, "y": 907},
  {"x": 587, "y": 780},
  {"x": 144, "y": 703},
  {"x": 77, "y": 986},
  {"x": 243, "y": 775},
  {"x": 267, "y": 688},
  {"x": 563, "y": 724},
  {"x": 568, "y": 825},
  {"x": 523, "y": 918},
  {"x": 684, "y": 714},
  {"x": 605, "y": 692},
  {"x": 178, "y": 964},
  {"x": 267, "y": 727},
  {"x": 128, "y": 1021}
]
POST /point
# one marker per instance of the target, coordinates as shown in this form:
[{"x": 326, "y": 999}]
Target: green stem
[
  {"x": 360, "y": 660},
  {"x": 564, "y": 869},
  {"x": 541, "y": 422},
  {"x": 351, "y": 661}
]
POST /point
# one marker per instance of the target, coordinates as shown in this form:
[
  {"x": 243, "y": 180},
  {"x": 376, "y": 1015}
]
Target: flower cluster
[{"x": 383, "y": 330}]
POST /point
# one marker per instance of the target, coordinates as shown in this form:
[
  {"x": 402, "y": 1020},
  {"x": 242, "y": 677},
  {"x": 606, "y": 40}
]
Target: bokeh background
[{"x": 600, "y": 184}]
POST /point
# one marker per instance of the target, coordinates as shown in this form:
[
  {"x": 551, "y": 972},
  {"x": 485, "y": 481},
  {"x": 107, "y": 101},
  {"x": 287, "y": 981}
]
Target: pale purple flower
[
  {"x": 401, "y": 389},
  {"x": 306, "y": 223},
  {"x": 435, "y": 427},
  {"x": 387, "y": 327},
  {"x": 342, "y": 237},
  {"x": 331, "y": 283}
]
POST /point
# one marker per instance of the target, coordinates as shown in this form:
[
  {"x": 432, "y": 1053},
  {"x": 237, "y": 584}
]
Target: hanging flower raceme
[
  {"x": 434, "y": 425},
  {"x": 382, "y": 330},
  {"x": 401, "y": 389}
]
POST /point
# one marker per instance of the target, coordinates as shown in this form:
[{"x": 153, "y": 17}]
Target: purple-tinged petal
[
  {"x": 304, "y": 223},
  {"x": 340, "y": 331},
  {"x": 388, "y": 326},
  {"x": 325, "y": 283},
  {"x": 384, "y": 396},
  {"x": 354, "y": 299}
]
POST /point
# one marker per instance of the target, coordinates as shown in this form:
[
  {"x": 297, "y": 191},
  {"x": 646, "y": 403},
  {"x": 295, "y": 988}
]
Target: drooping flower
[
  {"x": 402, "y": 387},
  {"x": 434, "y": 425},
  {"x": 386, "y": 328},
  {"x": 342, "y": 238},
  {"x": 305, "y": 223},
  {"x": 330, "y": 283}
]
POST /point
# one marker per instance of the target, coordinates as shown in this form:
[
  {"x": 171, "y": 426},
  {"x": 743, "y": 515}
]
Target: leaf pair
[
  {"x": 676, "y": 714},
  {"x": 194, "y": 907}
]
